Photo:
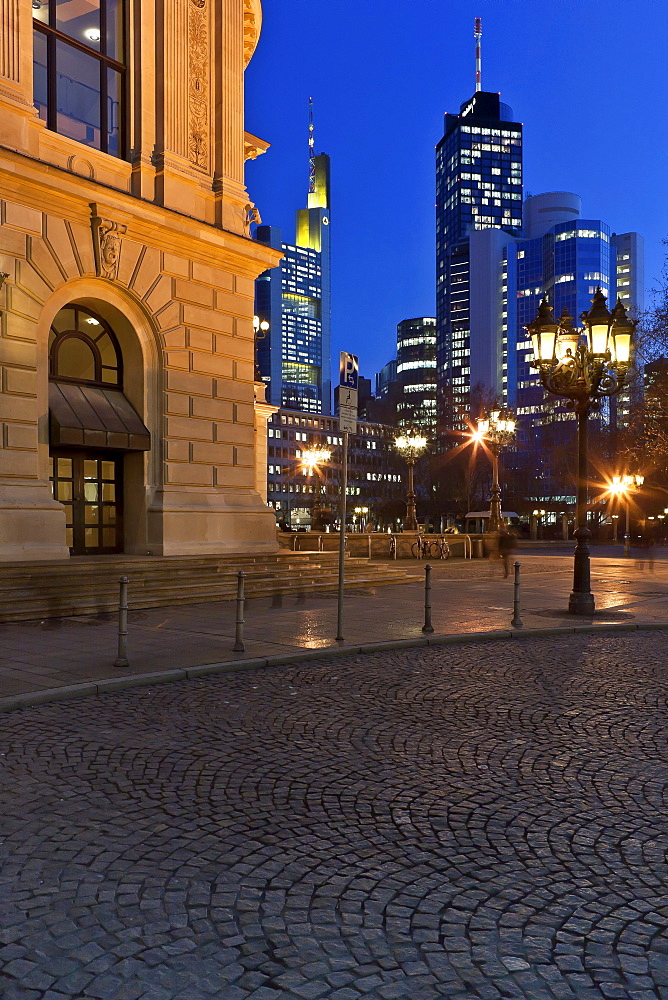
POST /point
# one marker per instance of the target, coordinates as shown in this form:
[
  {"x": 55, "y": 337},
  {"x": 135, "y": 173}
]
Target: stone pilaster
[{"x": 16, "y": 107}]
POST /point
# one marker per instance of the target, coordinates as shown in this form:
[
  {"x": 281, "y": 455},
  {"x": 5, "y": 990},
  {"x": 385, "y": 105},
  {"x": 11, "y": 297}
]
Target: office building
[
  {"x": 376, "y": 472},
  {"x": 294, "y": 299},
  {"x": 128, "y": 400},
  {"x": 416, "y": 374},
  {"x": 478, "y": 187},
  {"x": 565, "y": 258}
]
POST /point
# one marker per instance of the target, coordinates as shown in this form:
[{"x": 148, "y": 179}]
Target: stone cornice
[
  {"x": 254, "y": 147},
  {"x": 57, "y": 192}
]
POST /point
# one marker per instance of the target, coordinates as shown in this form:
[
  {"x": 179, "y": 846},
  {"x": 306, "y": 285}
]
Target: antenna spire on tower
[
  {"x": 477, "y": 34},
  {"x": 311, "y": 148}
]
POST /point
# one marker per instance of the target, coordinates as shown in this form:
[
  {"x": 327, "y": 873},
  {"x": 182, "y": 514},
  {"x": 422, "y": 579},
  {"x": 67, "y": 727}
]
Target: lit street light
[
  {"x": 497, "y": 429},
  {"x": 623, "y": 486},
  {"x": 312, "y": 459},
  {"x": 584, "y": 365},
  {"x": 411, "y": 444},
  {"x": 362, "y": 512},
  {"x": 260, "y": 328}
]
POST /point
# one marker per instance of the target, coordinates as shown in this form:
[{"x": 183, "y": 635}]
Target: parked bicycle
[{"x": 435, "y": 548}]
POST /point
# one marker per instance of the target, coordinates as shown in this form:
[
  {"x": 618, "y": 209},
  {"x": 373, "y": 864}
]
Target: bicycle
[
  {"x": 439, "y": 548},
  {"x": 424, "y": 548},
  {"x": 420, "y": 548}
]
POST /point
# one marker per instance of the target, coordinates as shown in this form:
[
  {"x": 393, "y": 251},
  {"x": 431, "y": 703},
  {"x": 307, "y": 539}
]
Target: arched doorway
[{"x": 92, "y": 426}]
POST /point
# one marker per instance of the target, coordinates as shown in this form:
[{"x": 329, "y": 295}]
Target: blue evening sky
[{"x": 586, "y": 77}]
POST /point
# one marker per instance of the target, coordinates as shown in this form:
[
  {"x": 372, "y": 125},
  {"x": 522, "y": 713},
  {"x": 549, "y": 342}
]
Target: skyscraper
[
  {"x": 416, "y": 373},
  {"x": 294, "y": 298},
  {"x": 478, "y": 187}
]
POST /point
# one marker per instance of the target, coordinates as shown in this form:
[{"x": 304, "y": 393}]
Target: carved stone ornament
[
  {"x": 106, "y": 245},
  {"x": 252, "y": 216},
  {"x": 198, "y": 83}
]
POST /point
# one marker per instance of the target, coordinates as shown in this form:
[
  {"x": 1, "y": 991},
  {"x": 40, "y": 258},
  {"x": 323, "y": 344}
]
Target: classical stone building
[{"x": 128, "y": 407}]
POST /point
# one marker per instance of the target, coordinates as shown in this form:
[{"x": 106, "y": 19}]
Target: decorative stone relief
[
  {"x": 252, "y": 216},
  {"x": 198, "y": 83},
  {"x": 79, "y": 165},
  {"x": 106, "y": 245},
  {"x": 252, "y": 24}
]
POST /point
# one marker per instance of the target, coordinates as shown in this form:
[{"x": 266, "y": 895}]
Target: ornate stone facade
[{"x": 156, "y": 246}]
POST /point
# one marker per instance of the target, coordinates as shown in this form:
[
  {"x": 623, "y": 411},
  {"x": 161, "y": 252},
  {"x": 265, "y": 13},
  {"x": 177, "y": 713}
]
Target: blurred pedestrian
[
  {"x": 646, "y": 554},
  {"x": 507, "y": 544}
]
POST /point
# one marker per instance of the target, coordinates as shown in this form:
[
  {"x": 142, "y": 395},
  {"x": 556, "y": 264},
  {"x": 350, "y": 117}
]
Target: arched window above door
[{"x": 83, "y": 348}]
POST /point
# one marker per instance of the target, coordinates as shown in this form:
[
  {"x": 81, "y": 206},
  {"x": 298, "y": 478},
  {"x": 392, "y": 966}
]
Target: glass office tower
[
  {"x": 294, "y": 298},
  {"x": 478, "y": 187},
  {"x": 416, "y": 373}
]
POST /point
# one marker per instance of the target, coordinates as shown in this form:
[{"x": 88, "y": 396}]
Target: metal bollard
[
  {"x": 238, "y": 646},
  {"x": 427, "y": 627},
  {"x": 517, "y": 621},
  {"x": 122, "y": 658}
]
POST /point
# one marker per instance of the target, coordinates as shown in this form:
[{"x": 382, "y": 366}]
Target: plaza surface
[
  {"x": 65, "y": 657},
  {"x": 478, "y": 821}
]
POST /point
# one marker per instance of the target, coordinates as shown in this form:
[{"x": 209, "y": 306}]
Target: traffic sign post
[{"x": 348, "y": 375}]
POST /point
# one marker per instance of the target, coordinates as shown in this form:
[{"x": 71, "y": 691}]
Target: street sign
[
  {"x": 348, "y": 370},
  {"x": 348, "y": 397},
  {"x": 348, "y": 419}
]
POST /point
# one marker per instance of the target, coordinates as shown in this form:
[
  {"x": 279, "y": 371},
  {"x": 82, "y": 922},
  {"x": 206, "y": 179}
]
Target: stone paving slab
[{"x": 471, "y": 821}]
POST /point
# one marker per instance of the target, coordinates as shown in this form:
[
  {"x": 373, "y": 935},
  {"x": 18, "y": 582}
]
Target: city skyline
[{"x": 585, "y": 132}]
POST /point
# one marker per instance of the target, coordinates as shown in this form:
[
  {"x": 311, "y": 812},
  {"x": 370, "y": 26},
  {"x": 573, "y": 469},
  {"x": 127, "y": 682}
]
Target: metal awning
[{"x": 87, "y": 416}]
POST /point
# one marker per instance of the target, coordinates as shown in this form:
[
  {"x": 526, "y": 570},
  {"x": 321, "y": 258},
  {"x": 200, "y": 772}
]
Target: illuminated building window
[{"x": 79, "y": 71}]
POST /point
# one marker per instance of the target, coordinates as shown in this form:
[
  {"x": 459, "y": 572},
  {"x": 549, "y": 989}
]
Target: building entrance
[{"x": 90, "y": 488}]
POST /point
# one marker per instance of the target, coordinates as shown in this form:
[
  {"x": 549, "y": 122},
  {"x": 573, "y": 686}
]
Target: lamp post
[
  {"x": 497, "y": 428},
  {"x": 411, "y": 444},
  {"x": 625, "y": 486},
  {"x": 583, "y": 365},
  {"x": 362, "y": 512},
  {"x": 312, "y": 458},
  {"x": 260, "y": 327},
  {"x": 537, "y": 515}
]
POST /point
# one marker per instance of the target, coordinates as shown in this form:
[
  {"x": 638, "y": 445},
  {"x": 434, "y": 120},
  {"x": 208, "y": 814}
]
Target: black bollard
[
  {"x": 238, "y": 646},
  {"x": 517, "y": 621},
  {"x": 122, "y": 658},
  {"x": 427, "y": 627}
]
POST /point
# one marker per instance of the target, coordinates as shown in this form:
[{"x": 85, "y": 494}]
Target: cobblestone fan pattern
[{"x": 485, "y": 821}]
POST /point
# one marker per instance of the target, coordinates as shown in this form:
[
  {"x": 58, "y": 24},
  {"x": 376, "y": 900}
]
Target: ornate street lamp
[
  {"x": 497, "y": 429},
  {"x": 260, "y": 328},
  {"x": 625, "y": 486},
  {"x": 411, "y": 444},
  {"x": 584, "y": 365}
]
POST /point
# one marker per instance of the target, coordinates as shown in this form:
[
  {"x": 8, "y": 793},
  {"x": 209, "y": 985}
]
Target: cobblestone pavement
[{"x": 484, "y": 821}]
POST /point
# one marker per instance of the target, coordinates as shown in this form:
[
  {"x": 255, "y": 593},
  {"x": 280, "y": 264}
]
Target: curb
[{"x": 70, "y": 692}]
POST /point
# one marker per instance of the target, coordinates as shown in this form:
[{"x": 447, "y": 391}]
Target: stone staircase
[{"x": 89, "y": 585}]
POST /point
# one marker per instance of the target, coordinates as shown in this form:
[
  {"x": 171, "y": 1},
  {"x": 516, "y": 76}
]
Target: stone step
[{"x": 51, "y": 590}]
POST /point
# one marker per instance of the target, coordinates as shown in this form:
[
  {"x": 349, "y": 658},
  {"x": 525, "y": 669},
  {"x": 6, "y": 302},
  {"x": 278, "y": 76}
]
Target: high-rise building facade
[
  {"x": 562, "y": 257},
  {"x": 478, "y": 187},
  {"x": 294, "y": 299},
  {"x": 416, "y": 373}
]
